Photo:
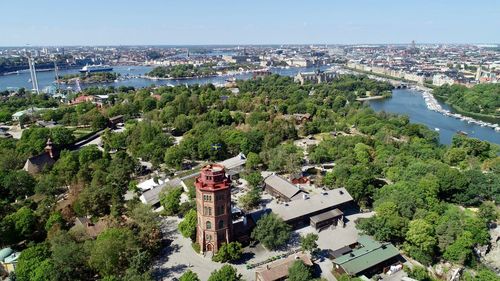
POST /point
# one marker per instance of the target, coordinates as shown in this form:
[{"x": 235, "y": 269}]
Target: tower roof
[{"x": 212, "y": 176}]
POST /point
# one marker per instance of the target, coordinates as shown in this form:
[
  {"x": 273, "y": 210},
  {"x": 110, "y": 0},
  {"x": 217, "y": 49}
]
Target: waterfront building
[
  {"x": 213, "y": 206},
  {"x": 315, "y": 77},
  {"x": 441, "y": 79},
  {"x": 299, "y": 62}
]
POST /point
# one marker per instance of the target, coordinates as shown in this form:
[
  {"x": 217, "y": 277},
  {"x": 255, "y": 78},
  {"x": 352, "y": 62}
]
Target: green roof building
[{"x": 370, "y": 257}]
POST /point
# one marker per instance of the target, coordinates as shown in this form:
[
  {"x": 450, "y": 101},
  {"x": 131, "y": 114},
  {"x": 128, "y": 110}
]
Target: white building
[{"x": 441, "y": 79}]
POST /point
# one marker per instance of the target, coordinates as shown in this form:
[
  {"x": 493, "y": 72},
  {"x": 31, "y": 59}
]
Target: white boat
[
  {"x": 96, "y": 68},
  {"x": 436, "y": 129}
]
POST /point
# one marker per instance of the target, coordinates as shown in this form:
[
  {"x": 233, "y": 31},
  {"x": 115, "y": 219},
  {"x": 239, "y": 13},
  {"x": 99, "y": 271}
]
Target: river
[{"x": 409, "y": 102}]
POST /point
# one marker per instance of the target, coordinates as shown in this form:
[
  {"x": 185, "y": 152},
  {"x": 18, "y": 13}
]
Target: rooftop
[
  {"x": 281, "y": 185},
  {"x": 152, "y": 196},
  {"x": 279, "y": 269},
  {"x": 327, "y": 215},
  {"x": 315, "y": 203},
  {"x": 149, "y": 184},
  {"x": 234, "y": 162},
  {"x": 368, "y": 255}
]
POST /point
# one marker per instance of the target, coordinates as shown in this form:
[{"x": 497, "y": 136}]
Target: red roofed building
[{"x": 82, "y": 99}]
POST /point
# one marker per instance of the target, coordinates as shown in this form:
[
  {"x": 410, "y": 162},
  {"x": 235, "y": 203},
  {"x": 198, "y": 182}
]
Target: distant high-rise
[{"x": 413, "y": 45}]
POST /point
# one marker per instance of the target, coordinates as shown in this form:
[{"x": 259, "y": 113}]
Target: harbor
[
  {"x": 432, "y": 104},
  {"x": 411, "y": 102}
]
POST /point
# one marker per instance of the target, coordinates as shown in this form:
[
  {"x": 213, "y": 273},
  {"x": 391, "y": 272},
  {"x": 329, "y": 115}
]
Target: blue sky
[{"x": 115, "y": 22}]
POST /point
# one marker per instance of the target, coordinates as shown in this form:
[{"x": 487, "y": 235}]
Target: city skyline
[{"x": 57, "y": 23}]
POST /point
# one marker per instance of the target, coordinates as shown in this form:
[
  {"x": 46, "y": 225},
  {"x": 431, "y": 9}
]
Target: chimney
[{"x": 49, "y": 148}]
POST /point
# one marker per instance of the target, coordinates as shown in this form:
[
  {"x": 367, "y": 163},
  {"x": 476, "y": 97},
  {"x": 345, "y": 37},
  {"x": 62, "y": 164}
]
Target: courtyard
[{"x": 178, "y": 255}]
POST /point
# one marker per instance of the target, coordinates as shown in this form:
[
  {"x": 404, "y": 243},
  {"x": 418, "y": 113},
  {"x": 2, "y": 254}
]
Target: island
[
  {"x": 90, "y": 78},
  {"x": 181, "y": 71}
]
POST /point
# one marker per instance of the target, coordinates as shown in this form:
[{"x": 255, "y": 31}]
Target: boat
[
  {"x": 96, "y": 68},
  {"x": 436, "y": 129},
  {"x": 462, "y": 133}
]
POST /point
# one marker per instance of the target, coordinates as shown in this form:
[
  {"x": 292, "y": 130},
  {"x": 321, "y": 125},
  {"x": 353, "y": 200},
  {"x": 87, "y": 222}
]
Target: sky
[{"x": 199, "y": 22}]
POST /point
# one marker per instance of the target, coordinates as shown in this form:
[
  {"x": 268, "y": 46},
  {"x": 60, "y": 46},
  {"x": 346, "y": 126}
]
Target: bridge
[{"x": 399, "y": 85}]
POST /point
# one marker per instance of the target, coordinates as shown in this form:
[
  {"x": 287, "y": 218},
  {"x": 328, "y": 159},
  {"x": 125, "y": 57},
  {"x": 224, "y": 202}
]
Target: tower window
[
  {"x": 220, "y": 210},
  {"x": 221, "y": 224},
  {"x": 209, "y": 225}
]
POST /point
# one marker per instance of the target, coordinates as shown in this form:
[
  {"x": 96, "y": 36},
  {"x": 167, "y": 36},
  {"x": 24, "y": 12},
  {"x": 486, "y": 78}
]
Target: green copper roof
[{"x": 368, "y": 255}]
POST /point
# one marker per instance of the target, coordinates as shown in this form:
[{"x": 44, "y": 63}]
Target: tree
[
  {"x": 308, "y": 242},
  {"x": 228, "y": 252},
  {"x": 54, "y": 219},
  {"x": 112, "y": 251},
  {"x": 460, "y": 251},
  {"x": 250, "y": 200},
  {"x": 146, "y": 220},
  {"x": 98, "y": 121},
  {"x": 225, "y": 273},
  {"x": 174, "y": 157},
  {"x": 16, "y": 184},
  {"x": 272, "y": 231},
  {"x": 69, "y": 257},
  {"x": 187, "y": 226},
  {"x": 170, "y": 200},
  {"x": 189, "y": 276},
  {"x": 299, "y": 271},
  {"x": 253, "y": 161},
  {"x": 66, "y": 167},
  {"x": 387, "y": 224},
  {"x": 21, "y": 224},
  {"x": 182, "y": 124},
  {"x": 420, "y": 241},
  {"x": 34, "y": 264},
  {"x": 62, "y": 136},
  {"x": 362, "y": 153},
  {"x": 254, "y": 179},
  {"x": 486, "y": 275},
  {"x": 488, "y": 212},
  {"x": 454, "y": 156},
  {"x": 419, "y": 273},
  {"x": 93, "y": 201}
]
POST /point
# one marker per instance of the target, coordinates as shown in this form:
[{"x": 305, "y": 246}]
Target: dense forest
[
  {"x": 482, "y": 98},
  {"x": 422, "y": 192}
]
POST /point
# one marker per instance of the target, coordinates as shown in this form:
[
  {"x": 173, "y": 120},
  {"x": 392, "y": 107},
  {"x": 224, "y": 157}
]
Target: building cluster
[
  {"x": 435, "y": 64},
  {"x": 291, "y": 197}
]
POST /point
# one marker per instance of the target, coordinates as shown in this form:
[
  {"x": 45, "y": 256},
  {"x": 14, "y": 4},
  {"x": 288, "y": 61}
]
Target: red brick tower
[{"x": 213, "y": 205}]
